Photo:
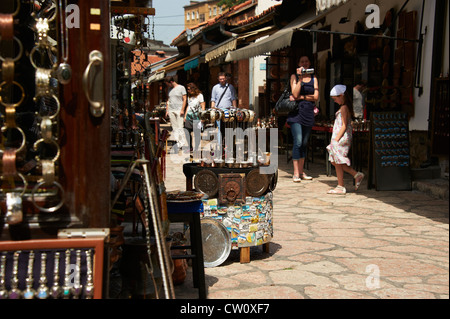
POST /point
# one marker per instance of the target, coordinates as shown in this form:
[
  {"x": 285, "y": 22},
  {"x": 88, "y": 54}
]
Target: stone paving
[{"x": 365, "y": 245}]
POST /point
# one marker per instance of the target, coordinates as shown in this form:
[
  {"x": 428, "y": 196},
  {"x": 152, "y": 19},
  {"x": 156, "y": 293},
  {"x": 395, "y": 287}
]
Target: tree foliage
[{"x": 229, "y": 3}]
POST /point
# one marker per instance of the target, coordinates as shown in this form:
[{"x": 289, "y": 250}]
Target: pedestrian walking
[
  {"x": 341, "y": 140},
  {"x": 223, "y": 96},
  {"x": 175, "y": 109},
  {"x": 196, "y": 103}
]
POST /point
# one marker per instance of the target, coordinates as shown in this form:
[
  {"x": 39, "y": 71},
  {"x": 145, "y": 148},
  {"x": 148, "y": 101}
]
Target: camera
[{"x": 307, "y": 71}]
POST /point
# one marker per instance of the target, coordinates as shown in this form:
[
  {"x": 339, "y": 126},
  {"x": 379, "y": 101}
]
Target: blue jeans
[{"x": 300, "y": 133}]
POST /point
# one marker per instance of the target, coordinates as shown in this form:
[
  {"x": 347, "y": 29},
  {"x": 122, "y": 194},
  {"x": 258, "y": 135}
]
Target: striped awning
[
  {"x": 220, "y": 49},
  {"x": 278, "y": 40},
  {"x": 156, "y": 76}
]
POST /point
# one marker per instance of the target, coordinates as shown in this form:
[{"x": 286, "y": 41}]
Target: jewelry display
[
  {"x": 3, "y": 291},
  {"x": 64, "y": 71},
  {"x": 14, "y": 214},
  {"x": 89, "y": 287},
  {"x": 29, "y": 292},
  {"x": 45, "y": 94},
  {"x": 66, "y": 288},
  {"x": 43, "y": 291},
  {"x": 15, "y": 293},
  {"x": 76, "y": 288},
  {"x": 34, "y": 64},
  {"x": 56, "y": 289}
]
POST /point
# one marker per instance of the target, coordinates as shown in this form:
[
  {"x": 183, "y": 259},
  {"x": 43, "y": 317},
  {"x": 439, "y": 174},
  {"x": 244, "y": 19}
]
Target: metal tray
[{"x": 216, "y": 242}]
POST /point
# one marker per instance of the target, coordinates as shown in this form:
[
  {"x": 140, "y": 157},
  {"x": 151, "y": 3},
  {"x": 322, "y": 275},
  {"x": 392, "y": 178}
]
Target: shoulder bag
[{"x": 284, "y": 104}]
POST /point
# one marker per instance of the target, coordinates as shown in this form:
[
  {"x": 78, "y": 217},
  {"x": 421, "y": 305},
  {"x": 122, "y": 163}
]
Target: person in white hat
[{"x": 341, "y": 139}]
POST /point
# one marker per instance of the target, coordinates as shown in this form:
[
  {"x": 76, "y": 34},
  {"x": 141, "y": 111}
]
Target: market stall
[{"x": 238, "y": 203}]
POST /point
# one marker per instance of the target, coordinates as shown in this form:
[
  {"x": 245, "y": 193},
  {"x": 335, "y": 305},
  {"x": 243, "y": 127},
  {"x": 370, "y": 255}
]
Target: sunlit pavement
[{"x": 365, "y": 244}]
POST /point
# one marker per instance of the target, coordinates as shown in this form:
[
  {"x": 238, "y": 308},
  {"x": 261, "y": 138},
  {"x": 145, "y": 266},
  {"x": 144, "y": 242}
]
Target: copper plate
[
  {"x": 256, "y": 183},
  {"x": 206, "y": 182}
]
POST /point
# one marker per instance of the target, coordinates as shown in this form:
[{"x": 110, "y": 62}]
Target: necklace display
[
  {"x": 15, "y": 293},
  {"x": 43, "y": 291},
  {"x": 89, "y": 287},
  {"x": 64, "y": 70},
  {"x": 29, "y": 292},
  {"x": 3, "y": 291},
  {"x": 56, "y": 289},
  {"x": 78, "y": 280},
  {"x": 76, "y": 288}
]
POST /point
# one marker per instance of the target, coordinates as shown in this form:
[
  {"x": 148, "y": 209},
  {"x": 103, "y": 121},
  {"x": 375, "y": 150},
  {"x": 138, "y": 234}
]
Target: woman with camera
[{"x": 305, "y": 90}]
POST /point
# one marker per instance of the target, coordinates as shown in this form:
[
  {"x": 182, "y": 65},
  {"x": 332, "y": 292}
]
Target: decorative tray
[{"x": 184, "y": 196}]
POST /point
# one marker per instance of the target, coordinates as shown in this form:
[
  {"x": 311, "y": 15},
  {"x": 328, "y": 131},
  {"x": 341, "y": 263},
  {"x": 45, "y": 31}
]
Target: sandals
[
  {"x": 358, "y": 179},
  {"x": 305, "y": 177},
  {"x": 296, "y": 179},
  {"x": 339, "y": 190}
]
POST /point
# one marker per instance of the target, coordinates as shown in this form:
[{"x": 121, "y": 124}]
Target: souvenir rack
[{"x": 66, "y": 268}]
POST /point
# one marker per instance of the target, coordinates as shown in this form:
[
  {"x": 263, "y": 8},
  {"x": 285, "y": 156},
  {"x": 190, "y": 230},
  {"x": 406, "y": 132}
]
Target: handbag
[{"x": 284, "y": 105}]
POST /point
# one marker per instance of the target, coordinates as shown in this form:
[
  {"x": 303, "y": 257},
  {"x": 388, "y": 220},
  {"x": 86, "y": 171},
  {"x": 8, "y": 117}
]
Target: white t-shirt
[
  {"x": 176, "y": 98},
  {"x": 194, "y": 103},
  {"x": 193, "y": 109}
]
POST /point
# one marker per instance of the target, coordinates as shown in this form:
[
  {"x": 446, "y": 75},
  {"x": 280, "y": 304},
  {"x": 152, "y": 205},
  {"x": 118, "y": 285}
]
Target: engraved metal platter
[
  {"x": 216, "y": 242},
  {"x": 206, "y": 182},
  {"x": 256, "y": 183}
]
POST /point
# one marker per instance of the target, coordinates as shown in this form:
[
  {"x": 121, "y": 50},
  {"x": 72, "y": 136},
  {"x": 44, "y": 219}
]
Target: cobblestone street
[{"x": 366, "y": 244}]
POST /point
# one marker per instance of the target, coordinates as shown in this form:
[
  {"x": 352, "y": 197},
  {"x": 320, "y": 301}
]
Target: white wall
[{"x": 258, "y": 75}]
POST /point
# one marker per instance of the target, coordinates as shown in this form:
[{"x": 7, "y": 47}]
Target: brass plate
[
  {"x": 206, "y": 182},
  {"x": 256, "y": 184}
]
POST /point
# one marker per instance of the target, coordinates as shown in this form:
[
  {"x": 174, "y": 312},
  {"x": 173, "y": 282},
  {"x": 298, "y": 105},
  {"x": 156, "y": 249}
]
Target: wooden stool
[{"x": 189, "y": 213}]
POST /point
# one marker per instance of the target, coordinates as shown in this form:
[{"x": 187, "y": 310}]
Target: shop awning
[
  {"x": 223, "y": 48},
  {"x": 323, "y": 5},
  {"x": 157, "y": 76},
  {"x": 178, "y": 65},
  {"x": 192, "y": 64},
  {"x": 220, "y": 49},
  {"x": 279, "y": 40}
]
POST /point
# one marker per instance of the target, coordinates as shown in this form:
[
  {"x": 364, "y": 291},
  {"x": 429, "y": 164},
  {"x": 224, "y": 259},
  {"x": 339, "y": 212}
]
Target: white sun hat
[{"x": 338, "y": 90}]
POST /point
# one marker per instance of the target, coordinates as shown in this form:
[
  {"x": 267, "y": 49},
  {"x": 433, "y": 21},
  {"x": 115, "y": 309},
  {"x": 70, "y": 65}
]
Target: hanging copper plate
[
  {"x": 206, "y": 182},
  {"x": 256, "y": 183}
]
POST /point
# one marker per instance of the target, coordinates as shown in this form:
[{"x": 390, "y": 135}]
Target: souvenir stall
[
  {"x": 69, "y": 196},
  {"x": 238, "y": 201},
  {"x": 54, "y": 227}
]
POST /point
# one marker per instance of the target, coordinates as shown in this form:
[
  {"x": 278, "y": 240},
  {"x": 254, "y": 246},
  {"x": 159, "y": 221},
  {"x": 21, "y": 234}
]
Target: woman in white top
[{"x": 196, "y": 103}]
